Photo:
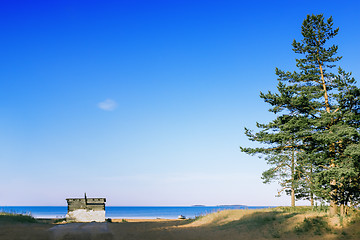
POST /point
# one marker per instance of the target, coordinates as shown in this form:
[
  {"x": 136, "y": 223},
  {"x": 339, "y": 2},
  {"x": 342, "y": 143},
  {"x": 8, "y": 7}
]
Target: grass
[
  {"x": 6, "y": 217},
  {"x": 317, "y": 225},
  {"x": 196, "y": 218},
  {"x": 355, "y": 217},
  {"x": 303, "y": 209},
  {"x": 284, "y": 223},
  {"x": 267, "y": 222},
  {"x": 253, "y": 221}
]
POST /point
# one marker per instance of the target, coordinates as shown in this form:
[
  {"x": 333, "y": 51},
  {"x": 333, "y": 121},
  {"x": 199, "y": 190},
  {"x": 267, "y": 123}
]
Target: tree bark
[
  {"x": 327, "y": 106},
  {"x": 311, "y": 186},
  {"x": 342, "y": 210},
  {"x": 333, "y": 203},
  {"x": 333, "y": 193},
  {"x": 293, "y": 179},
  {"x": 333, "y": 208}
]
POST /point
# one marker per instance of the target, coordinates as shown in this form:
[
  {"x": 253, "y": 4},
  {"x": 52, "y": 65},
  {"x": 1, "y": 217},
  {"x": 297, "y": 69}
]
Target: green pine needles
[{"x": 313, "y": 143}]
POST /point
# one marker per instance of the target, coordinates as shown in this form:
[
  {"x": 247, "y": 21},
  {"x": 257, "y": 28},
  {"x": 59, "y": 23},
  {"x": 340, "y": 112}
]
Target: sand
[
  {"x": 229, "y": 225},
  {"x": 144, "y": 220}
]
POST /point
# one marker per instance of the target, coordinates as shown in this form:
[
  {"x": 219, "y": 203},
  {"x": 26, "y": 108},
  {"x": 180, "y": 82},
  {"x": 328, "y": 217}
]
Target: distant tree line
[{"x": 313, "y": 143}]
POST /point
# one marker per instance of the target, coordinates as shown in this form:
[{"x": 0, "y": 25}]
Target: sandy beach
[{"x": 130, "y": 220}]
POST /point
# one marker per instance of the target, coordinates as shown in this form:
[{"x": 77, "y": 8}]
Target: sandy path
[{"x": 80, "y": 231}]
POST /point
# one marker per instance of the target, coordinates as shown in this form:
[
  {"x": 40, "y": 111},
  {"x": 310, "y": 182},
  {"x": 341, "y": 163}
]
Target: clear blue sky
[{"x": 144, "y": 102}]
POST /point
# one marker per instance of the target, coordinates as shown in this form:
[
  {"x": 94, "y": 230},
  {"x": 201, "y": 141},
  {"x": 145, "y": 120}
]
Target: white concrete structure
[
  {"x": 86, "y": 209},
  {"x": 83, "y": 215}
]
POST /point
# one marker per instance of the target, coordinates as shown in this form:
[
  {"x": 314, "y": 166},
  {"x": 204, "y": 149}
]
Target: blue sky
[{"x": 144, "y": 102}]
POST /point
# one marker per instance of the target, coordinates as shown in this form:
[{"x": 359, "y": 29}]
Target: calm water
[{"x": 127, "y": 212}]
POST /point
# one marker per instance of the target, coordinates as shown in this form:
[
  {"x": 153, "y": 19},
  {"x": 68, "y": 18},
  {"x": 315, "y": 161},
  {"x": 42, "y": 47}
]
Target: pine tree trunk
[
  {"x": 293, "y": 179},
  {"x": 333, "y": 203},
  {"x": 311, "y": 187},
  {"x": 333, "y": 193},
  {"x": 342, "y": 210},
  {"x": 327, "y": 106},
  {"x": 333, "y": 208}
]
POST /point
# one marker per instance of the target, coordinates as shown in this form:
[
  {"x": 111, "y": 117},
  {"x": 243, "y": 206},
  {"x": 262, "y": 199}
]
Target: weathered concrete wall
[
  {"x": 88, "y": 203},
  {"x": 74, "y": 204},
  {"x": 84, "y": 215}
]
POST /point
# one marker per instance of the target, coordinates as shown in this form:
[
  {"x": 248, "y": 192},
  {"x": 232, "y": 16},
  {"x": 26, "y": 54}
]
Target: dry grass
[
  {"x": 229, "y": 224},
  {"x": 245, "y": 224}
]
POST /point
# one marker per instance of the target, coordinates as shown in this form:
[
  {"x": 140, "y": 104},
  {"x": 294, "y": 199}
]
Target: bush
[{"x": 60, "y": 220}]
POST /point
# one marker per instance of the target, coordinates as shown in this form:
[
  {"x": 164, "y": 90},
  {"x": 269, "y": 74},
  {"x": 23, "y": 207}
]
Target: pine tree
[
  {"x": 284, "y": 170},
  {"x": 322, "y": 111},
  {"x": 338, "y": 174},
  {"x": 305, "y": 180},
  {"x": 333, "y": 108},
  {"x": 282, "y": 137}
]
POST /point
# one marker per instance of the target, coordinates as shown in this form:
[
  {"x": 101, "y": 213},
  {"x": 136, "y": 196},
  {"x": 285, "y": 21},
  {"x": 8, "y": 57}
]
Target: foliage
[{"x": 317, "y": 118}]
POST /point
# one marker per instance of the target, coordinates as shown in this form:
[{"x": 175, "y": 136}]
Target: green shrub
[{"x": 59, "y": 220}]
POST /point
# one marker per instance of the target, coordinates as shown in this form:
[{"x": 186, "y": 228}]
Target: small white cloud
[{"x": 107, "y": 105}]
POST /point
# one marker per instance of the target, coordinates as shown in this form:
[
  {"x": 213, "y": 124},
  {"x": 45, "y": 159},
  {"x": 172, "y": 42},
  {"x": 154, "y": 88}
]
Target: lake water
[{"x": 126, "y": 212}]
